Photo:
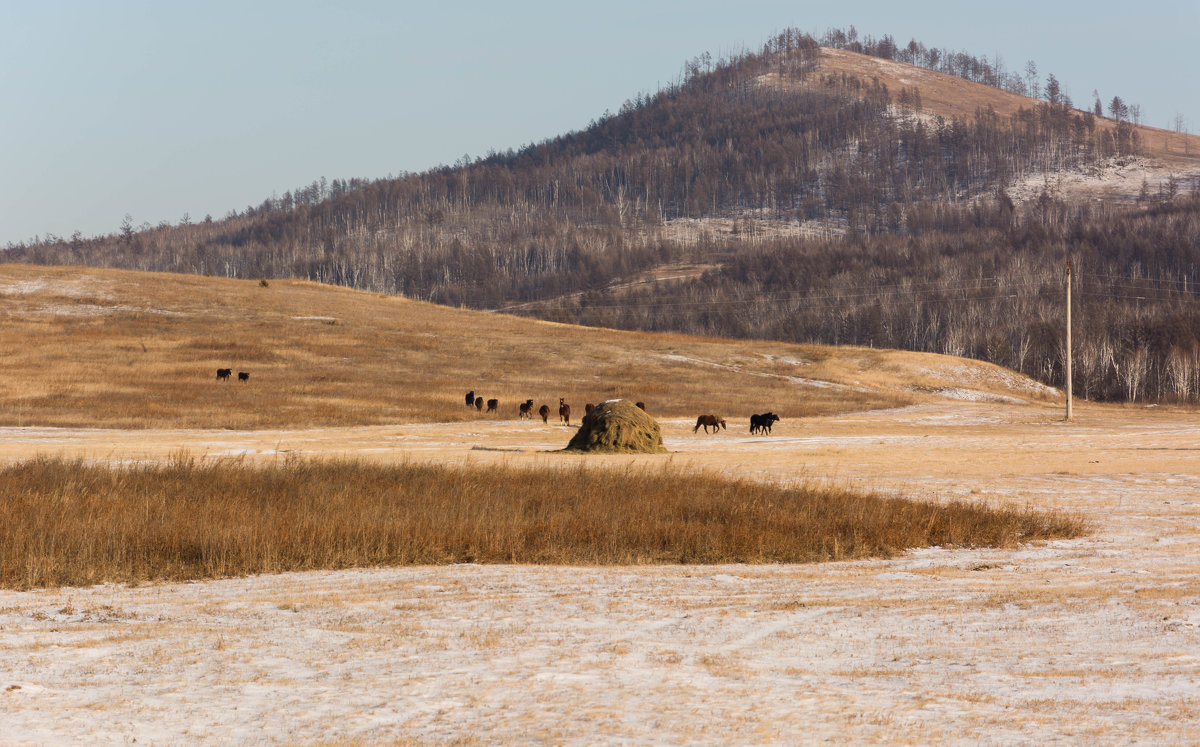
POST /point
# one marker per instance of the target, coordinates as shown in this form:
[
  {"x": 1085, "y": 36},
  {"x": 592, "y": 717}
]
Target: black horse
[{"x": 762, "y": 423}]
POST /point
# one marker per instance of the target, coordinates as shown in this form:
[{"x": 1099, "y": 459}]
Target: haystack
[{"x": 618, "y": 427}]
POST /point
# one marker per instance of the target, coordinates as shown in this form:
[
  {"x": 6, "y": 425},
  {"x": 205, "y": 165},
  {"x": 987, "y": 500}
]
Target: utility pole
[{"x": 1068, "y": 338}]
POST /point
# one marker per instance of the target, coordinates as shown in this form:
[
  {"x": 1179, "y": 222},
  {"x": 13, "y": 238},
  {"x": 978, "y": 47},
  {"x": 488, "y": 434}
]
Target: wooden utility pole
[{"x": 1068, "y": 338}]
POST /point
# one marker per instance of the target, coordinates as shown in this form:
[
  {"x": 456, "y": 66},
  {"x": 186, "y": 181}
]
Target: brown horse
[
  {"x": 640, "y": 405},
  {"x": 564, "y": 411},
  {"x": 544, "y": 411},
  {"x": 479, "y": 404},
  {"x": 709, "y": 421},
  {"x": 526, "y": 409},
  {"x": 493, "y": 404}
]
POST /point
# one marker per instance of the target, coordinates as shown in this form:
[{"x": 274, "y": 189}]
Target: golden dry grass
[
  {"x": 69, "y": 523},
  {"x": 84, "y": 347}
]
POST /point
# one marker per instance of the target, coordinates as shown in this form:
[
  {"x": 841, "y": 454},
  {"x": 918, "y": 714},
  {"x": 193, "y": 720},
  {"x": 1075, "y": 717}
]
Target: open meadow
[{"x": 1092, "y": 639}]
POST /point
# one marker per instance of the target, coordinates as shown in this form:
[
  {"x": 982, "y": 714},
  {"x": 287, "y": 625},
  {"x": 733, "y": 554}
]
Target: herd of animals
[
  {"x": 759, "y": 424},
  {"x": 526, "y": 409},
  {"x": 223, "y": 374}
]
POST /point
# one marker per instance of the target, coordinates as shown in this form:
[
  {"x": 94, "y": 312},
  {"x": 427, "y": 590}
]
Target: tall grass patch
[{"x": 69, "y": 523}]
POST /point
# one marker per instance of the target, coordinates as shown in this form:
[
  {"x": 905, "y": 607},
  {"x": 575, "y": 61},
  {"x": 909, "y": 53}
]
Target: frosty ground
[{"x": 1095, "y": 640}]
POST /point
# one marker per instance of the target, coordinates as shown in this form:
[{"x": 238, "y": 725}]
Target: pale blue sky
[{"x": 163, "y": 108}]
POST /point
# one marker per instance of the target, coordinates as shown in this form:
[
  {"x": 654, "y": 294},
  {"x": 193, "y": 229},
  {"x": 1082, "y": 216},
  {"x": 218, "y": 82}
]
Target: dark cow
[
  {"x": 762, "y": 423},
  {"x": 544, "y": 411},
  {"x": 640, "y": 405},
  {"x": 564, "y": 411},
  {"x": 243, "y": 375},
  {"x": 709, "y": 421},
  {"x": 223, "y": 374},
  {"x": 526, "y": 409},
  {"x": 493, "y": 404},
  {"x": 479, "y": 404},
  {"x": 471, "y": 398}
]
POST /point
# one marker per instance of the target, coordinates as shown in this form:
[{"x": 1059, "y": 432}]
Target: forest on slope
[{"x": 897, "y": 227}]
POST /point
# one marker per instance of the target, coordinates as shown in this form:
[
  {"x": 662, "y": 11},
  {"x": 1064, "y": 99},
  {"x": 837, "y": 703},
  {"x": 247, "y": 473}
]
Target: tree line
[
  {"x": 978, "y": 69},
  {"x": 984, "y": 282}
]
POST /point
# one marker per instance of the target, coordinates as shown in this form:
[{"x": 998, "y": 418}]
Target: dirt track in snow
[{"x": 1088, "y": 641}]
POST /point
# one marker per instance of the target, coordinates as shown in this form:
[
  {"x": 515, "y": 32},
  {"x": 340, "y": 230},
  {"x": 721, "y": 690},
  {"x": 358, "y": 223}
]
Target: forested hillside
[{"x": 858, "y": 216}]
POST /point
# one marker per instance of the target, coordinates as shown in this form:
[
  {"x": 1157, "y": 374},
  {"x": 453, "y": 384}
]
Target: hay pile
[{"x": 618, "y": 427}]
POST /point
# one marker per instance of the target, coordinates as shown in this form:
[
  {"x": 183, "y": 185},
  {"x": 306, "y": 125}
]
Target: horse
[
  {"x": 544, "y": 411},
  {"x": 223, "y": 374},
  {"x": 762, "y": 423},
  {"x": 587, "y": 409},
  {"x": 471, "y": 398},
  {"x": 243, "y": 376},
  {"x": 493, "y": 404},
  {"x": 479, "y": 404},
  {"x": 526, "y": 409},
  {"x": 640, "y": 405},
  {"x": 709, "y": 421},
  {"x": 769, "y": 419},
  {"x": 564, "y": 411}
]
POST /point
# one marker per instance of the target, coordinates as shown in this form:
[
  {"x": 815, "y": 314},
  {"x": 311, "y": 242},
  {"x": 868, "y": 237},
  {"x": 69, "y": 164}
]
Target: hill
[
  {"x": 790, "y": 194},
  {"x": 109, "y": 348}
]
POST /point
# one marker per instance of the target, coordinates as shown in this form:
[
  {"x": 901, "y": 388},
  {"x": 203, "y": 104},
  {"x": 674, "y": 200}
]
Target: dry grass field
[
  {"x": 68, "y": 523},
  {"x": 84, "y": 347},
  {"x": 1090, "y": 640}
]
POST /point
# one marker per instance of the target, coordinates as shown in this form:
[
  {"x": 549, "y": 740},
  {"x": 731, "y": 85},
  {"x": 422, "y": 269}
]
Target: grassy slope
[
  {"x": 122, "y": 349},
  {"x": 950, "y": 96}
]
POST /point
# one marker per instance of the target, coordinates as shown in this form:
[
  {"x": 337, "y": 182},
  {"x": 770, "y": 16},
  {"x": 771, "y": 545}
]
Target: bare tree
[{"x": 1031, "y": 79}]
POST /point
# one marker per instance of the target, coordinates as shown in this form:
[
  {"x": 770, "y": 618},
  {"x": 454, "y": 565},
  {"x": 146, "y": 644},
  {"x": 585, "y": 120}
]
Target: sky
[{"x": 160, "y": 109}]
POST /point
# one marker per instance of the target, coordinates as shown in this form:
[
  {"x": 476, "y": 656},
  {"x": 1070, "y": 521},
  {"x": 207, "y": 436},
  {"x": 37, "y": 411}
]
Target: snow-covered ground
[{"x": 1088, "y": 641}]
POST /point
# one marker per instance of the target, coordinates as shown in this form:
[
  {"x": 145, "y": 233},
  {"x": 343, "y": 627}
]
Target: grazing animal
[
  {"x": 564, "y": 411},
  {"x": 471, "y": 398},
  {"x": 762, "y": 423},
  {"x": 493, "y": 404},
  {"x": 527, "y": 409},
  {"x": 770, "y": 419},
  {"x": 223, "y": 374},
  {"x": 640, "y": 405},
  {"x": 479, "y": 404},
  {"x": 544, "y": 411},
  {"x": 587, "y": 409},
  {"x": 709, "y": 421},
  {"x": 243, "y": 375}
]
